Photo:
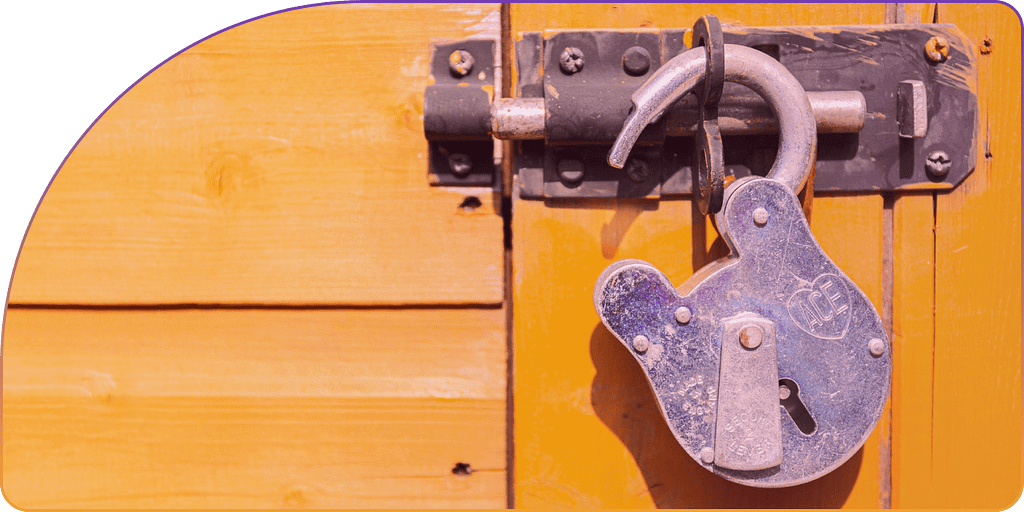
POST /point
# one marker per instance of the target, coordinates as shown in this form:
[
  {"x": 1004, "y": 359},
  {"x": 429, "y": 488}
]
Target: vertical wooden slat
[
  {"x": 912, "y": 341},
  {"x": 977, "y": 411}
]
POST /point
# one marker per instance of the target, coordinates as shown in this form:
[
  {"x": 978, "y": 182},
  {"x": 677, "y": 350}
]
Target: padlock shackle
[{"x": 746, "y": 66}]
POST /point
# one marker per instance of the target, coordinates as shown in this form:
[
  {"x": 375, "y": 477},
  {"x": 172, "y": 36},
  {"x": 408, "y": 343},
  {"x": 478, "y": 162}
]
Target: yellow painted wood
[
  {"x": 977, "y": 411},
  {"x": 913, "y": 479},
  {"x": 253, "y": 408},
  {"x": 279, "y": 163},
  {"x": 282, "y": 161}
]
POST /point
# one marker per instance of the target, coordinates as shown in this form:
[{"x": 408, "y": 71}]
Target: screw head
[
  {"x": 636, "y": 61},
  {"x": 707, "y": 455},
  {"x": 761, "y": 216},
  {"x": 637, "y": 170},
  {"x": 784, "y": 392},
  {"x": 751, "y": 336},
  {"x": 683, "y": 315},
  {"x": 876, "y": 346},
  {"x": 571, "y": 60},
  {"x": 937, "y": 49},
  {"x": 641, "y": 343},
  {"x": 570, "y": 170},
  {"x": 460, "y": 62},
  {"x": 938, "y": 163},
  {"x": 460, "y": 164}
]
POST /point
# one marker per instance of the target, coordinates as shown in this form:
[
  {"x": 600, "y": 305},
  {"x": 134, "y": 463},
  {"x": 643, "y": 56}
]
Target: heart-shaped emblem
[{"x": 822, "y": 309}]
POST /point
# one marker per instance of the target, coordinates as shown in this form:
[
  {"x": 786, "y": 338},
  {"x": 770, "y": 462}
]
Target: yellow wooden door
[
  {"x": 240, "y": 291},
  {"x": 587, "y": 428}
]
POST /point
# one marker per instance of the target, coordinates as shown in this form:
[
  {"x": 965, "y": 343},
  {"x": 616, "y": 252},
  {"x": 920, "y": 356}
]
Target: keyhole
[{"x": 789, "y": 397}]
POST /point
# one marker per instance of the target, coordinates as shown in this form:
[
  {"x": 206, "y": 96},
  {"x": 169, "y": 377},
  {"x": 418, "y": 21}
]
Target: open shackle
[{"x": 745, "y": 66}]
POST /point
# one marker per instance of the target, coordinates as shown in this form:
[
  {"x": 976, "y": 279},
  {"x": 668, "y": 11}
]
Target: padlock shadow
[{"x": 624, "y": 401}]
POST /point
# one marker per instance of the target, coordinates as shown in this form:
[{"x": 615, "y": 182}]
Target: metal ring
[{"x": 746, "y": 66}]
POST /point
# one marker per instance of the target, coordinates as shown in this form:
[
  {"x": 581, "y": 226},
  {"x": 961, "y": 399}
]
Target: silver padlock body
[{"x": 824, "y": 327}]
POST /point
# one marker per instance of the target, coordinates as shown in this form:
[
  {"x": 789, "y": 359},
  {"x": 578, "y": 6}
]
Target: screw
[
  {"x": 784, "y": 392},
  {"x": 460, "y": 164},
  {"x": 571, "y": 60},
  {"x": 637, "y": 170},
  {"x": 876, "y": 346},
  {"x": 938, "y": 163},
  {"x": 641, "y": 343},
  {"x": 636, "y": 61},
  {"x": 937, "y": 49},
  {"x": 707, "y": 455},
  {"x": 751, "y": 336},
  {"x": 460, "y": 62},
  {"x": 683, "y": 315},
  {"x": 571, "y": 171},
  {"x": 761, "y": 216}
]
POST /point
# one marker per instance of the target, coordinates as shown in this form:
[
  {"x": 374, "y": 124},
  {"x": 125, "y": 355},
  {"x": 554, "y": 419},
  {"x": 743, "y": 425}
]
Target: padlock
[{"x": 770, "y": 365}]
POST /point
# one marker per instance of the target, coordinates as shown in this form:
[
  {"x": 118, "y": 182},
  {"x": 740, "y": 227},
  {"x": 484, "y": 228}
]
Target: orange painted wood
[
  {"x": 282, "y": 161},
  {"x": 254, "y": 408},
  {"x": 587, "y": 429},
  {"x": 977, "y": 411},
  {"x": 913, "y": 479},
  {"x": 279, "y": 163}
]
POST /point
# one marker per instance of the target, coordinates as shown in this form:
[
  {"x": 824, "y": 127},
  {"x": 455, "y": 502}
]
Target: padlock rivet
[
  {"x": 707, "y": 455},
  {"x": 751, "y": 336},
  {"x": 761, "y": 216},
  {"x": 876, "y": 346},
  {"x": 641, "y": 343},
  {"x": 683, "y": 315}
]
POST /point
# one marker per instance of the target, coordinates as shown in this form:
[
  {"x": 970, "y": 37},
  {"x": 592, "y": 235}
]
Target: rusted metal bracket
[
  {"x": 895, "y": 108},
  {"x": 457, "y": 113}
]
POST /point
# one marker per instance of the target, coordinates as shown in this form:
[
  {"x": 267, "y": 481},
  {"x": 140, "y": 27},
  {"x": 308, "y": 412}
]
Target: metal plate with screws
[
  {"x": 457, "y": 113},
  {"x": 587, "y": 107},
  {"x": 835, "y": 378}
]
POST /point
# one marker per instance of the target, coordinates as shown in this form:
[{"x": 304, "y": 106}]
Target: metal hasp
[
  {"x": 770, "y": 366},
  {"x": 708, "y": 161},
  {"x": 457, "y": 113},
  {"x": 856, "y": 80}
]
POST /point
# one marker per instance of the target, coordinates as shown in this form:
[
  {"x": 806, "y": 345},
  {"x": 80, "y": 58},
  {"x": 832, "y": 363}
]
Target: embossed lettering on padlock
[{"x": 770, "y": 366}]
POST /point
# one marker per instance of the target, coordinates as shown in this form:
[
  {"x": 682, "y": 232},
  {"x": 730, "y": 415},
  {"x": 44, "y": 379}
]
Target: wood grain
[
  {"x": 254, "y": 408},
  {"x": 913, "y": 480},
  {"x": 977, "y": 411},
  {"x": 588, "y": 432},
  {"x": 282, "y": 161}
]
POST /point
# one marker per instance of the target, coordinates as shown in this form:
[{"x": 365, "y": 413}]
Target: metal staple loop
[{"x": 746, "y": 66}]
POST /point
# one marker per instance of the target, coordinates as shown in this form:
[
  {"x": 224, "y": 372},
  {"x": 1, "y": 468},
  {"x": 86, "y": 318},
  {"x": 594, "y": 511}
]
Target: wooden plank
[
  {"x": 587, "y": 428},
  {"x": 282, "y": 161},
  {"x": 254, "y": 408},
  {"x": 252, "y": 453},
  {"x": 977, "y": 410},
  {"x": 913, "y": 339}
]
